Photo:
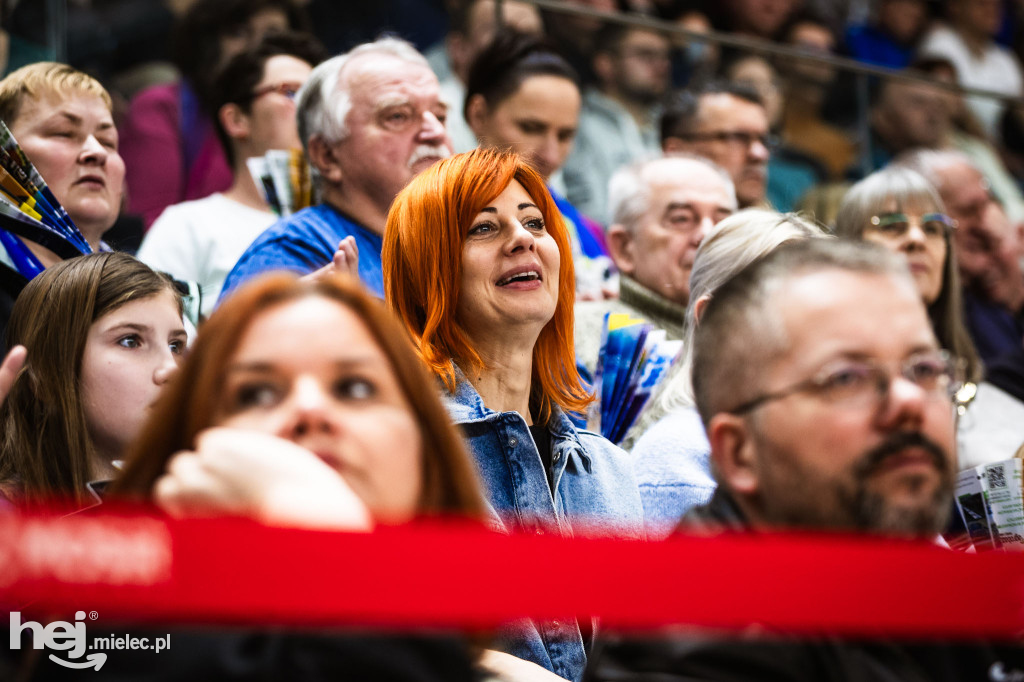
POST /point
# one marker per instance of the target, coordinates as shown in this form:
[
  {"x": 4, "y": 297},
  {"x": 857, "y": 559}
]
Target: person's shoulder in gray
[
  {"x": 673, "y": 470},
  {"x": 618, "y": 122}
]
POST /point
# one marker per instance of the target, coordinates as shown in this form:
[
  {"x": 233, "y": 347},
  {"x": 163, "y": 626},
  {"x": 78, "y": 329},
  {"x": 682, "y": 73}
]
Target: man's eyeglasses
[
  {"x": 742, "y": 138},
  {"x": 859, "y": 383},
  {"x": 289, "y": 90},
  {"x": 935, "y": 226}
]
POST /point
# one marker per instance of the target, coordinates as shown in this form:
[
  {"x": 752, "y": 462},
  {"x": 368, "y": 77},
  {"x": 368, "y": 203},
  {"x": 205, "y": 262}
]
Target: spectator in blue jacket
[{"x": 369, "y": 120}]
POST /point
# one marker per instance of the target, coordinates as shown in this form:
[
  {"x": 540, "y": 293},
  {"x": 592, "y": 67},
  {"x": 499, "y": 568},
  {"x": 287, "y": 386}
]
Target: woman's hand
[
  {"x": 346, "y": 260},
  {"x": 12, "y": 364},
  {"x": 506, "y": 668},
  {"x": 233, "y": 472}
]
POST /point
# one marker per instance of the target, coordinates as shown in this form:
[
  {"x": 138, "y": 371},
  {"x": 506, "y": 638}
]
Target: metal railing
[{"x": 862, "y": 72}]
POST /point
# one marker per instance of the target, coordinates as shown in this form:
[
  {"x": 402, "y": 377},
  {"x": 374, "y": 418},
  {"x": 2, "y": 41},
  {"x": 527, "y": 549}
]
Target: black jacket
[{"x": 689, "y": 658}]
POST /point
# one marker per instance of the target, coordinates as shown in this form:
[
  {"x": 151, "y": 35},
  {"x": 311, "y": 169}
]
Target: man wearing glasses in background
[
  {"x": 618, "y": 121},
  {"x": 199, "y": 241},
  {"x": 829, "y": 407},
  {"x": 726, "y": 123}
]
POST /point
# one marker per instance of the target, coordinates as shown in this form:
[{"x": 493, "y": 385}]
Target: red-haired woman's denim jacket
[{"x": 594, "y": 490}]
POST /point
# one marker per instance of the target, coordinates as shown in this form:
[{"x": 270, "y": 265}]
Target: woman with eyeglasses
[
  {"x": 897, "y": 208},
  {"x": 253, "y": 100},
  {"x": 900, "y": 210}
]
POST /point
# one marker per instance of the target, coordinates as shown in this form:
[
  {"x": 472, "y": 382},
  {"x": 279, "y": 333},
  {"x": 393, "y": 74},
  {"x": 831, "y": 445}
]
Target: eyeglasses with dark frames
[
  {"x": 742, "y": 138},
  {"x": 862, "y": 382}
]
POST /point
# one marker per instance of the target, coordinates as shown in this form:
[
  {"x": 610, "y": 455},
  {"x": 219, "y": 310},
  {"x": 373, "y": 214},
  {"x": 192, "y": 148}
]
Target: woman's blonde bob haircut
[
  {"x": 44, "y": 79},
  {"x": 422, "y": 259},
  {"x": 898, "y": 188}
]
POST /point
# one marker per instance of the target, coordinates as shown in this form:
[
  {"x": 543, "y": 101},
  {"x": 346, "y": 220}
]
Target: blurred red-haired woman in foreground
[
  {"x": 477, "y": 264},
  {"x": 303, "y": 403},
  {"x": 298, "y": 383}
]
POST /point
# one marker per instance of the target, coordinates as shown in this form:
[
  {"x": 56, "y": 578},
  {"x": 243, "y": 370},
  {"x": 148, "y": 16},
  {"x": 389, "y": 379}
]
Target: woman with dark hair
[
  {"x": 523, "y": 96},
  {"x": 168, "y": 140},
  {"x": 899, "y": 209},
  {"x": 478, "y": 267},
  {"x": 103, "y": 334}
]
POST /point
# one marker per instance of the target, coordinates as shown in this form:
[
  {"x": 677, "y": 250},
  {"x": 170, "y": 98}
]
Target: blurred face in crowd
[
  {"x": 911, "y": 115},
  {"x": 839, "y": 454},
  {"x": 902, "y": 19},
  {"x": 732, "y": 132},
  {"x": 755, "y": 72},
  {"x": 395, "y": 127},
  {"x": 538, "y": 121},
  {"x": 761, "y": 18},
  {"x": 129, "y": 355},
  {"x": 271, "y": 119},
  {"x": 701, "y": 56},
  {"x": 998, "y": 249},
  {"x": 339, "y": 398},
  {"x": 816, "y": 40},
  {"x": 640, "y": 70},
  {"x": 481, "y": 28},
  {"x": 919, "y": 233},
  {"x": 510, "y": 269},
  {"x": 946, "y": 73},
  {"x": 579, "y": 29},
  {"x": 979, "y": 18},
  {"x": 687, "y": 198},
  {"x": 249, "y": 34},
  {"x": 965, "y": 193},
  {"x": 72, "y": 141}
]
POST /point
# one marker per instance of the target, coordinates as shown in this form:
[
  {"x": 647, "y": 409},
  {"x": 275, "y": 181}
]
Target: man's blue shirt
[{"x": 306, "y": 242}]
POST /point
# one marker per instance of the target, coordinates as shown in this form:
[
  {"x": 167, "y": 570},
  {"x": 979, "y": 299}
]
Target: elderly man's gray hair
[
  {"x": 629, "y": 190},
  {"x": 930, "y": 162},
  {"x": 323, "y": 105}
]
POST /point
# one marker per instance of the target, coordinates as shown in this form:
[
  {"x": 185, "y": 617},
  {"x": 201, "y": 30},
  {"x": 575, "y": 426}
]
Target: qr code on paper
[{"x": 996, "y": 478}]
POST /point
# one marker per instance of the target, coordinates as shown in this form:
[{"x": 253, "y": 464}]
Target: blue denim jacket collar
[{"x": 467, "y": 406}]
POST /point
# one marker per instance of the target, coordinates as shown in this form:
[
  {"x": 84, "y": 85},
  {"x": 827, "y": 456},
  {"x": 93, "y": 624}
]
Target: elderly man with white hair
[
  {"x": 661, "y": 209},
  {"x": 369, "y": 120}
]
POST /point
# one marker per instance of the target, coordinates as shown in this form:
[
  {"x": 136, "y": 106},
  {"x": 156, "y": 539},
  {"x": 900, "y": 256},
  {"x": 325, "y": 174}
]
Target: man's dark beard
[
  {"x": 871, "y": 511},
  {"x": 642, "y": 95}
]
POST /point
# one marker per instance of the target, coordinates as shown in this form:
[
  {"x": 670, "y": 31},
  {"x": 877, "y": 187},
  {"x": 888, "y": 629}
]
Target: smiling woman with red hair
[{"x": 478, "y": 266}]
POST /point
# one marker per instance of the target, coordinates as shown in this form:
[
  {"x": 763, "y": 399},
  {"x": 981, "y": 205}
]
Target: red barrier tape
[{"x": 228, "y": 571}]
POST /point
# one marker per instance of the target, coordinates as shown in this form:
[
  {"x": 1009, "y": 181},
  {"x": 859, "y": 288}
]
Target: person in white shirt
[
  {"x": 967, "y": 41},
  {"x": 201, "y": 240}
]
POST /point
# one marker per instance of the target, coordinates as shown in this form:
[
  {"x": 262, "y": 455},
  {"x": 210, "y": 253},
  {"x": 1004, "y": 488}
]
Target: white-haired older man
[
  {"x": 369, "y": 121},
  {"x": 661, "y": 209}
]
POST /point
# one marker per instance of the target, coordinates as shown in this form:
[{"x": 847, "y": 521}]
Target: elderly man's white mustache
[{"x": 428, "y": 151}]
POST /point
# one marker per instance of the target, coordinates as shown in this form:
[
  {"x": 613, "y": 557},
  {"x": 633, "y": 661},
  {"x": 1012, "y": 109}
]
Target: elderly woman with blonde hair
[
  {"x": 901, "y": 210},
  {"x": 672, "y": 456}
]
